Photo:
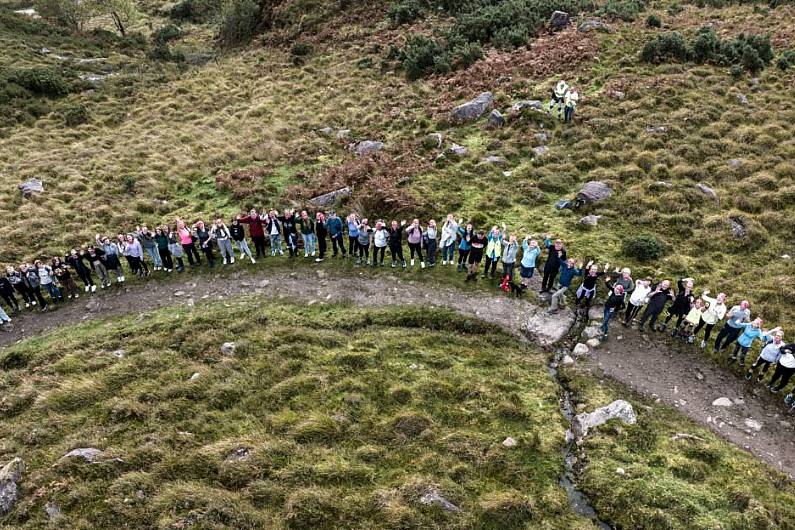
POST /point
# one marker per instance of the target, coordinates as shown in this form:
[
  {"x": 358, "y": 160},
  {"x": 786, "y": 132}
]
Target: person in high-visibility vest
[
  {"x": 558, "y": 96},
  {"x": 570, "y": 104}
]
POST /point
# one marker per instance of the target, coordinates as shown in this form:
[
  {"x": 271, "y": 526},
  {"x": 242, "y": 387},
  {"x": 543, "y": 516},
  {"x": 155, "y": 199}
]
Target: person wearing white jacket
[
  {"x": 447, "y": 241},
  {"x": 709, "y": 318},
  {"x": 638, "y": 298},
  {"x": 770, "y": 355}
]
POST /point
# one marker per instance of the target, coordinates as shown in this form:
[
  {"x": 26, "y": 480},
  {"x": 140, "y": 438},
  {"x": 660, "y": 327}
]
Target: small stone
[
  {"x": 179, "y": 293},
  {"x": 263, "y": 283},
  {"x": 580, "y": 349},
  {"x": 494, "y": 160},
  {"x": 739, "y": 401},
  {"x": 735, "y": 163},
  {"x": 89, "y": 454},
  {"x": 329, "y": 199},
  {"x": 195, "y": 376},
  {"x": 458, "y": 150},
  {"x": 509, "y": 442},
  {"x": 31, "y": 186},
  {"x": 620, "y": 471},
  {"x": 722, "y": 402},
  {"x": 496, "y": 119},
  {"x": 367, "y": 147},
  {"x": 699, "y": 376},
  {"x": 706, "y": 190},
  {"x": 559, "y": 21},
  {"x": 567, "y": 360},
  {"x": 540, "y": 150},
  {"x": 433, "y": 141},
  {"x": 52, "y": 510},
  {"x": 433, "y": 497},
  {"x": 656, "y": 130},
  {"x": 413, "y": 366},
  {"x": 785, "y": 256},
  {"x": 541, "y": 138},
  {"x": 228, "y": 348},
  {"x": 342, "y": 134},
  {"x": 742, "y": 99},
  {"x": 593, "y": 343},
  {"x": 594, "y": 24},
  {"x": 753, "y": 424},
  {"x": 617, "y": 94},
  {"x": 119, "y": 354},
  {"x": 519, "y": 106},
  {"x": 590, "y": 220}
]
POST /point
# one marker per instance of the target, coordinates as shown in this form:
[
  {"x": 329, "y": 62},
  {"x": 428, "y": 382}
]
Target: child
[
  {"x": 530, "y": 252},
  {"x": 363, "y": 242},
  {"x": 750, "y": 332},
  {"x": 692, "y": 320},
  {"x": 587, "y": 289},
  {"x": 613, "y": 305},
  {"x": 784, "y": 370},
  {"x": 509, "y": 251},
  {"x": 638, "y": 298},
  {"x": 770, "y": 354}
]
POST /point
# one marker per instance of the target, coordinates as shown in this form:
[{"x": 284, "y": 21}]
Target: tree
[
  {"x": 73, "y": 14},
  {"x": 123, "y": 13}
]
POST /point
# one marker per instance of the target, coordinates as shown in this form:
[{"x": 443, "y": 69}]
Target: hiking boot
[
  {"x": 775, "y": 390},
  {"x": 703, "y": 344},
  {"x": 691, "y": 339},
  {"x": 760, "y": 378},
  {"x": 732, "y": 359},
  {"x": 748, "y": 376},
  {"x": 662, "y": 328}
]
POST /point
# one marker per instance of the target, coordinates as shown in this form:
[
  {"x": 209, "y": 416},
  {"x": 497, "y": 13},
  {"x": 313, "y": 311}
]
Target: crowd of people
[{"x": 650, "y": 304}]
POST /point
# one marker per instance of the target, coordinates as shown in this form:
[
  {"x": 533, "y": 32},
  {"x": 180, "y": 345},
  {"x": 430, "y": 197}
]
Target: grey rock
[
  {"x": 735, "y": 163},
  {"x": 93, "y": 305},
  {"x": 722, "y": 402},
  {"x": 342, "y": 134},
  {"x": 330, "y": 198},
  {"x": 594, "y": 191},
  {"x": 195, "y": 376},
  {"x": 738, "y": 228},
  {"x": 496, "y": 119},
  {"x": 198, "y": 58},
  {"x": 594, "y": 24},
  {"x": 541, "y": 138},
  {"x": 567, "y": 360},
  {"x": 590, "y": 220},
  {"x": 509, "y": 442},
  {"x": 30, "y": 187},
  {"x": 367, "y": 147},
  {"x": 228, "y": 348},
  {"x": 432, "y": 497},
  {"x": 742, "y": 99},
  {"x": 617, "y": 94},
  {"x": 494, "y": 160},
  {"x": 661, "y": 185},
  {"x": 548, "y": 329},
  {"x": 580, "y": 349},
  {"x": 433, "y": 141},
  {"x": 44, "y": 51},
  {"x": 559, "y": 21},
  {"x": 326, "y": 131},
  {"x": 706, "y": 190},
  {"x": 119, "y": 354},
  {"x": 89, "y": 454},
  {"x": 9, "y": 476},
  {"x": 540, "y": 150},
  {"x": 753, "y": 424},
  {"x": 521, "y": 105},
  {"x": 592, "y": 331},
  {"x": 618, "y": 409},
  {"x": 52, "y": 510},
  {"x": 593, "y": 343},
  {"x": 656, "y": 130},
  {"x": 241, "y": 453},
  {"x": 458, "y": 150},
  {"x": 473, "y": 109}
]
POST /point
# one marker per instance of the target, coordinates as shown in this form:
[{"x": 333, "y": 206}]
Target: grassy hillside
[{"x": 335, "y": 416}]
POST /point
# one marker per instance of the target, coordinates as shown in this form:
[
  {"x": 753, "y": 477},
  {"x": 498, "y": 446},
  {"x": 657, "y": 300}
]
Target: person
[
  {"x": 448, "y": 239},
  {"x": 658, "y": 297},
  {"x": 135, "y": 255},
  {"x": 205, "y": 241},
  {"x": 692, "y": 319},
  {"x": 464, "y": 247},
  {"x": 396, "y": 244},
  {"x": 307, "y": 227},
  {"x": 20, "y": 283},
  {"x": 147, "y": 240},
  {"x": 47, "y": 281},
  {"x": 682, "y": 304},
  {"x": 7, "y": 293},
  {"x": 613, "y": 304},
  {"x": 223, "y": 238},
  {"x": 429, "y": 242},
  {"x": 735, "y": 318},
  {"x": 555, "y": 260},
  {"x": 256, "y": 230},
  {"x": 273, "y": 227},
  {"x": 493, "y": 251},
  {"x": 96, "y": 258},
  {"x": 558, "y": 97},
  {"x": 335, "y": 231},
  {"x": 290, "y": 231},
  {"x": 530, "y": 253},
  {"x": 320, "y": 235},
  {"x": 509, "y": 251},
  {"x": 716, "y": 310},
  {"x": 784, "y": 369},
  {"x": 64, "y": 277},
  {"x": 568, "y": 271},
  {"x": 624, "y": 280},
  {"x": 477, "y": 244},
  {"x": 363, "y": 242},
  {"x": 353, "y": 234},
  {"x": 188, "y": 241},
  {"x": 638, "y": 298},
  {"x": 175, "y": 247},
  {"x": 587, "y": 290},
  {"x": 4, "y": 318},
  {"x": 750, "y": 331},
  {"x": 414, "y": 238},
  {"x": 570, "y": 103},
  {"x": 75, "y": 260},
  {"x": 769, "y": 355},
  {"x": 112, "y": 253},
  {"x": 239, "y": 237},
  {"x": 380, "y": 241},
  {"x": 34, "y": 282},
  {"x": 161, "y": 239}
]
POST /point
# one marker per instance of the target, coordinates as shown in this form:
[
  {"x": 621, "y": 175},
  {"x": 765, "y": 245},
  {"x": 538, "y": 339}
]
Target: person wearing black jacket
[
  {"x": 205, "y": 242},
  {"x": 478, "y": 244},
  {"x": 75, "y": 260},
  {"x": 273, "y": 229},
  {"x": 555, "y": 258},
  {"x": 7, "y": 292},
  {"x": 239, "y": 237},
  {"x": 613, "y": 304},
  {"x": 320, "y": 235},
  {"x": 290, "y": 232},
  {"x": 681, "y": 306},
  {"x": 396, "y": 244},
  {"x": 96, "y": 257},
  {"x": 17, "y": 279},
  {"x": 659, "y": 296}
]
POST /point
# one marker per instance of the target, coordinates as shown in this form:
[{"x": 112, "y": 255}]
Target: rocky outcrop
[
  {"x": 618, "y": 409},
  {"x": 330, "y": 198},
  {"x": 559, "y": 21},
  {"x": 9, "y": 491},
  {"x": 709, "y": 192},
  {"x": 594, "y": 24},
  {"x": 89, "y": 454},
  {"x": 473, "y": 109},
  {"x": 30, "y": 187},
  {"x": 496, "y": 119},
  {"x": 594, "y": 191}
]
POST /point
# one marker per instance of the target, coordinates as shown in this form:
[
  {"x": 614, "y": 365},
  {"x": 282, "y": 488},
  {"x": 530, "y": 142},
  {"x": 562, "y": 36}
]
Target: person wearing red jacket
[{"x": 256, "y": 228}]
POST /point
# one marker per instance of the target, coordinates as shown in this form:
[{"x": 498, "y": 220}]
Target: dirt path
[{"x": 649, "y": 364}]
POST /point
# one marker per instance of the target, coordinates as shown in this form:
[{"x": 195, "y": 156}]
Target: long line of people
[{"x": 642, "y": 301}]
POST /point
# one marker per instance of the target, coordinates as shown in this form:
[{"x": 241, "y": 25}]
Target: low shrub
[
  {"x": 653, "y": 21},
  {"x": 75, "y": 115},
  {"x": 239, "y": 23},
  {"x": 424, "y": 56},
  {"x": 643, "y": 247},
  {"x": 626, "y": 10},
  {"x": 41, "y": 80},
  {"x": 405, "y": 12},
  {"x": 196, "y": 11},
  {"x": 785, "y": 60},
  {"x": 666, "y": 47},
  {"x": 166, "y": 34}
]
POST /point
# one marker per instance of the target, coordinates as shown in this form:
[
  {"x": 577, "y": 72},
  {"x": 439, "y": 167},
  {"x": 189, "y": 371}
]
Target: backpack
[{"x": 505, "y": 284}]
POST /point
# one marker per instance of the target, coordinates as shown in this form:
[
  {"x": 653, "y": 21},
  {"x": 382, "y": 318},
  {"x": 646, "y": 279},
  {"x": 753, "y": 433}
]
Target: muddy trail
[{"x": 651, "y": 364}]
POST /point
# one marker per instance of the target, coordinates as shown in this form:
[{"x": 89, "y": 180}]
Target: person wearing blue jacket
[
  {"x": 353, "y": 234},
  {"x": 750, "y": 332},
  {"x": 530, "y": 253},
  {"x": 335, "y": 232},
  {"x": 464, "y": 246},
  {"x": 567, "y": 272}
]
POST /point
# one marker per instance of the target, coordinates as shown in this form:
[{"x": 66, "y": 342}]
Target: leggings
[
  {"x": 376, "y": 251},
  {"x": 208, "y": 253},
  {"x": 631, "y": 312},
  {"x": 652, "y": 313},
  {"x": 193, "y": 255},
  {"x": 353, "y": 245},
  {"x": 415, "y": 247},
  {"x": 463, "y": 256},
  {"x": 165, "y": 257},
  {"x": 337, "y": 244},
  {"x": 742, "y": 351},
  {"x": 364, "y": 252},
  {"x": 760, "y": 362},
  {"x": 491, "y": 264},
  {"x": 784, "y": 374},
  {"x": 587, "y": 295},
  {"x": 321, "y": 246},
  {"x": 679, "y": 318},
  {"x": 549, "y": 279},
  {"x": 24, "y": 290},
  {"x": 133, "y": 262},
  {"x": 727, "y": 334},
  {"x": 707, "y": 329},
  {"x": 36, "y": 291},
  {"x": 259, "y": 246},
  {"x": 85, "y": 277},
  {"x": 396, "y": 252},
  {"x": 11, "y": 300}
]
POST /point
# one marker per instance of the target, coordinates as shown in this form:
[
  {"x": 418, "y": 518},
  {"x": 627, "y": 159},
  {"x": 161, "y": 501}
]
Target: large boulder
[
  {"x": 367, "y": 147},
  {"x": 709, "y": 192},
  {"x": 31, "y": 186},
  {"x": 619, "y": 409},
  {"x": 496, "y": 119},
  {"x": 9, "y": 476},
  {"x": 559, "y": 20},
  {"x": 89, "y": 454},
  {"x": 473, "y": 109},
  {"x": 594, "y": 191},
  {"x": 328, "y": 199}
]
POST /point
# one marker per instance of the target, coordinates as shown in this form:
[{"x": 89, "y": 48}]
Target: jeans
[
  {"x": 353, "y": 244},
  {"x": 740, "y": 350},
  {"x": 155, "y": 255},
  {"x": 4, "y": 316},
  {"x": 430, "y": 251},
  {"x": 53, "y": 291},
  {"x": 568, "y": 113},
  {"x": 242, "y": 246},
  {"x": 276, "y": 245},
  {"x": 165, "y": 257},
  {"x": 448, "y": 252},
  {"x": 727, "y": 335},
  {"x": 364, "y": 252},
  {"x": 193, "y": 255},
  {"x": 336, "y": 241},
  {"x": 102, "y": 274},
  {"x": 292, "y": 243},
  {"x": 559, "y": 297},
  {"x": 225, "y": 247},
  {"x": 309, "y": 244},
  {"x": 507, "y": 270},
  {"x": 609, "y": 312},
  {"x": 707, "y": 329}
]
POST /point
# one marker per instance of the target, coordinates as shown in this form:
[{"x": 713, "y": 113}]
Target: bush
[
  {"x": 239, "y": 23},
  {"x": 423, "y": 56},
  {"x": 75, "y": 115},
  {"x": 643, "y": 247},
  {"x": 163, "y": 53},
  {"x": 467, "y": 54},
  {"x": 299, "y": 51},
  {"x": 751, "y": 60},
  {"x": 736, "y": 71},
  {"x": 653, "y": 21},
  {"x": 785, "y": 60},
  {"x": 41, "y": 80},
  {"x": 511, "y": 37},
  {"x": 405, "y": 12},
  {"x": 196, "y": 11},
  {"x": 166, "y": 34},
  {"x": 626, "y": 10},
  {"x": 668, "y": 46}
]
